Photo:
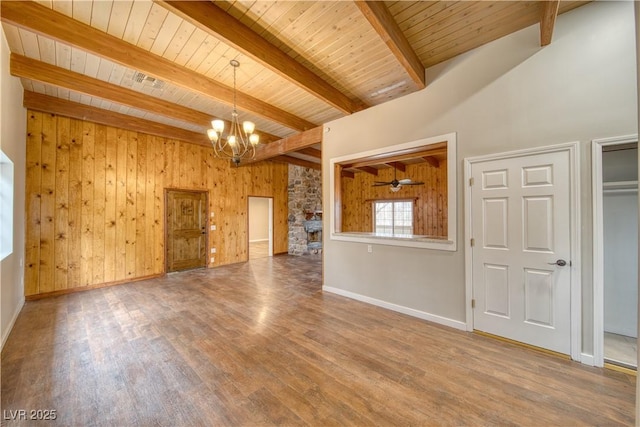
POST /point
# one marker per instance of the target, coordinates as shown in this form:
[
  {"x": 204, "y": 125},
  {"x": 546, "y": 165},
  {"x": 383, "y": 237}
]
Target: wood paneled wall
[
  {"x": 95, "y": 202},
  {"x": 430, "y": 210}
]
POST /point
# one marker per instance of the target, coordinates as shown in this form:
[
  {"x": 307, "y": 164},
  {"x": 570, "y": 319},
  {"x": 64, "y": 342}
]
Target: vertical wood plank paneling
[
  {"x": 280, "y": 194},
  {"x": 102, "y": 250},
  {"x": 33, "y": 201},
  {"x": 141, "y": 204},
  {"x": 110, "y": 208},
  {"x": 48, "y": 204},
  {"x": 131, "y": 211},
  {"x": 88, "y": 176},
  {"x": 121, "y": 205},
  {"x": 95, "y": 202},
  {"x": 149, "y": 212},
  {"x": 75, "y": 204},
  {"x": 158, "y": 203},
  {"x": 430, "y": 210},
  {"x": 61, "y": 222}
]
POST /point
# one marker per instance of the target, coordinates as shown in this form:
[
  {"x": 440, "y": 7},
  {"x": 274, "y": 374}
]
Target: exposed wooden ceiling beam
[
  {"x": 213, "y": 20},
  {"x": 432, "y": 161},
  {"x": 397, "y": 165},
  {"x": 313, "y": 152},
  {"x": 28, "y": 68},
  {"x": 42, "y": 20},
  {"x": 347, "y": 174},
  {"x": 296, "y": 161},
  {"x": 287, "y": 145},
  {"x": 50, "y": 104},
  {"x": 548, "y": 17},
  {"x": 399, "y": 156},
  {"x": 369, "y": 169},
  {"x": 387, "y": 28}
]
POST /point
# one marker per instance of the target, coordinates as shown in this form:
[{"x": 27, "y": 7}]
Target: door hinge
[
  {"x": 470, "y": 182},
  {"x": 473, "y": 303},
  {"x": 473, "y": 242}
]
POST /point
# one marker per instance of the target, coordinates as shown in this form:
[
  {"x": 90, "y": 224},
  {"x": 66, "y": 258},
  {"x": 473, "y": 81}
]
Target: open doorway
[
  {"x": 616, "y": 251},
  {"x": 260, "y": 227}
]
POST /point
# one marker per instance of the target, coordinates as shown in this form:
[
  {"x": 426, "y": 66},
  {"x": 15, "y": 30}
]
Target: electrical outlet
[
  {"x": 211, "y": 215},
  {"x": 213, "y": 227},
  {"x": 212, "y": 260},
  {"x": 213, "y": 250},
  {"x": 369, "y": 248}
]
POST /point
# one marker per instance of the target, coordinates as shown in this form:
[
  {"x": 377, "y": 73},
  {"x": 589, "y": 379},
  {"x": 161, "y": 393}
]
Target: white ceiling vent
[{"x": 139, "y": 77}]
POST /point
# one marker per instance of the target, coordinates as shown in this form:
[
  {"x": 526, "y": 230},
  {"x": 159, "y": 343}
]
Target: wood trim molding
[
  {"x": 90, "y": 287},
  {"x": 42, "y": 20},
  {"x": 383, "y": 23},
  {"x": 213, "y": 20}
]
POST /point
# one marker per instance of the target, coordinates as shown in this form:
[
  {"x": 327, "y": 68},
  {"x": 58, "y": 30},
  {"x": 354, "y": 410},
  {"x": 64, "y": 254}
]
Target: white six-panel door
[{"x": 520, "y": 221}]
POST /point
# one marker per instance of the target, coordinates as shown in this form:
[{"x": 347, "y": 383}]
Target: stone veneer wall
[{"x": 305, "y": 195}]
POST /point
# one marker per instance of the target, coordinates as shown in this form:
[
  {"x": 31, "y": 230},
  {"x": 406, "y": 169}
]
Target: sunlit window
[
  {"x": 6, "y": 199},
  {"x": 393, "y": 217}
]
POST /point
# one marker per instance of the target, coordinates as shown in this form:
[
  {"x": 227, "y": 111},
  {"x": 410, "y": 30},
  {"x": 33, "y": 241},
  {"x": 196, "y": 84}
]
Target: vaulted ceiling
[{"x": 162, "y": 67}]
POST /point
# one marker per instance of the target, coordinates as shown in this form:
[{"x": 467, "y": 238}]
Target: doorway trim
[
  {"x": 597, "y": 146},
  {"x": 270, "y": 253},
  {"x": 576, "y": 257}
]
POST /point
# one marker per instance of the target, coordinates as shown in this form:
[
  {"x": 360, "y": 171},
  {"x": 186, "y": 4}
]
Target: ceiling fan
[{"x": 397, "y": 184}]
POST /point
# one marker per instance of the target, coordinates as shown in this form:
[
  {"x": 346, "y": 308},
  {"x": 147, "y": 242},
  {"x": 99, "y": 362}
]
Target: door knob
[{"x": 559, "y": 263}]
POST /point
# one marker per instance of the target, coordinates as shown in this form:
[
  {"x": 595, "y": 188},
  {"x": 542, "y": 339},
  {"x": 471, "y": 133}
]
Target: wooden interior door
[{"x": 186, "y": 216}]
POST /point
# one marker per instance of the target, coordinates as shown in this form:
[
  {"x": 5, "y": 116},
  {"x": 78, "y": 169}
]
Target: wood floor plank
[{"x": 259, "y": 343}]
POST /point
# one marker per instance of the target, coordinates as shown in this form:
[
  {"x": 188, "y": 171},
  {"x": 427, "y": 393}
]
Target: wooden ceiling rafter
[
  {"x": 312, "y": 152},
  {"x": 436, "y": 149},
  {"x": 49, "y": 23},
  {"x": 368, "y": 169},
  {"x": 287, "y": 145},
  {"x": 384, "y": 24},
  {"x": 75, "y": 110},
  {"x": 548, "y": 20},
  {"x": 432, "y": 161},
  {"x": 214, "y": 21},
  {"x": 296, "y": 161},
  {"x": 397, "y": 165},
  {"x": 21, "y": 66}
]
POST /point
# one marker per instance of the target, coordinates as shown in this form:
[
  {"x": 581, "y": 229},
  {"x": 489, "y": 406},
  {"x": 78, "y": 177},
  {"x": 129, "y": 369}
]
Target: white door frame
[
  {"x": 576, "y": 276},
  {"x": 598, "y": 241}
]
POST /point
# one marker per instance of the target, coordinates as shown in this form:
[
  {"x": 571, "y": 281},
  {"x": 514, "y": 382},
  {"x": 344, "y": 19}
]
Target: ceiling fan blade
[
  {"x": 380, "y": 184},
  {"x": 413, "y": 183},
  {"x": 405, "y": 181}
]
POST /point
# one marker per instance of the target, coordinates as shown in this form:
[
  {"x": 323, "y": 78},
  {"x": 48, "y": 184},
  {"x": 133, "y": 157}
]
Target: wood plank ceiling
[{"x": 163, "y": 66}]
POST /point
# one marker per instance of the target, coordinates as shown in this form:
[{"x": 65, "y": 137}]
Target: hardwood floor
[
  {"x": 259, "y": 343},
  {"x": 258, "y": 249}
]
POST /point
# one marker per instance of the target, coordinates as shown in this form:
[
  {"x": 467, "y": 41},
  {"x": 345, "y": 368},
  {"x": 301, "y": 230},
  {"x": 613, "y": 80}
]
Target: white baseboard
[
  {"x": 456, "y": 324},
  {"x": 5, "y": 334}
]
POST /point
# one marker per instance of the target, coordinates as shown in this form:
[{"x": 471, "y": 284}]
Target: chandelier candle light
[{"x": 241, "y": 141}]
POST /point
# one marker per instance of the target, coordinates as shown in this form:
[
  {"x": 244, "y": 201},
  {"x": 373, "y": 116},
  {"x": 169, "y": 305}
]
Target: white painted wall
[
  {"x": 258, "y": 219},
  {"x": 13, "y": 130},
  {"x": 507, "y": 95}
]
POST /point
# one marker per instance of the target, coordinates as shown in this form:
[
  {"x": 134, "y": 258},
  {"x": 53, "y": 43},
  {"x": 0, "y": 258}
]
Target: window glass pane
[{"x": 393, "y": 217}]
